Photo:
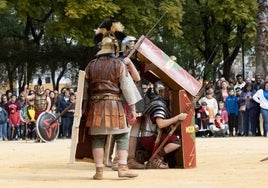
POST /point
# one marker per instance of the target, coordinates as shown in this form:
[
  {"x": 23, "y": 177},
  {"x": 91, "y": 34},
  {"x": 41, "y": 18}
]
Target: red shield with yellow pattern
[{"x": 187, "y": 131}]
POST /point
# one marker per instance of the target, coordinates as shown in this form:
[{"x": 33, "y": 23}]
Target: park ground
[{"x": 231, "y": 162}]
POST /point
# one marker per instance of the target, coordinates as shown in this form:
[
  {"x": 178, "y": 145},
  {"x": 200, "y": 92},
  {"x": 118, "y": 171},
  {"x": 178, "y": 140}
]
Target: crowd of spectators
[
  {"x": 234, "y": 108},
  {"x": 17, "y": 114}
]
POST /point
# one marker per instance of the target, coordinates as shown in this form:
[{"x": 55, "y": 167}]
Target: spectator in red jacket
[
  {"x": 219, "y": 127},
  {"x": 13, "y": 109}
]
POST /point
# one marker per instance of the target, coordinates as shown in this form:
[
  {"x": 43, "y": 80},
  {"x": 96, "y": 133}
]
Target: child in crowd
[
  {"x": 24, "y": 121},
  {"x": 223, "y": 112},
  {"x": 203, "y": 119},
  {"x": 218, "y": 127},
  {"x": 232, "y": 107},
  {"x": 31, "y": 132},
  {"x": 14, "y": 117},
  {"x": 212, "y": 104}
]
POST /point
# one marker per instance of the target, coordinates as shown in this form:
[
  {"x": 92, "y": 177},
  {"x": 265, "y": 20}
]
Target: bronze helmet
[{"x": 108, "y": 45}]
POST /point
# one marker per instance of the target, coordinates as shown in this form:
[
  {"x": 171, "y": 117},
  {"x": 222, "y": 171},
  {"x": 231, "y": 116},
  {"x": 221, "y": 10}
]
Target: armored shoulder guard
[{"x": 158, "y": 108}]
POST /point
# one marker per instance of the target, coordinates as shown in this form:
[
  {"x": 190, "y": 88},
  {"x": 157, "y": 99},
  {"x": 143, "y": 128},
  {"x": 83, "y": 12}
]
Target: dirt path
[{"x": 221, "y": 162}]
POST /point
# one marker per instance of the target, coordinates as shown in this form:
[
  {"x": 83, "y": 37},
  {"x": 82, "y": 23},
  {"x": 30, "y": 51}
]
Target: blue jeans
[
  {"x": 249, "y": 121},
  {"x": 3, "y": 130},
  {"x": 264, "y": 113},
  {"x": 66, "y": 123}
]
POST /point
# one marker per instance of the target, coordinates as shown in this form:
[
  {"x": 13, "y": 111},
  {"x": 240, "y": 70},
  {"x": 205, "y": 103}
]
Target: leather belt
[{"x": 105, "y": 97}]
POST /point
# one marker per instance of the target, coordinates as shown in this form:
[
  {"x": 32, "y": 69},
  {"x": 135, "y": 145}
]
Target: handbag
[{"x": 242, "y": 108}]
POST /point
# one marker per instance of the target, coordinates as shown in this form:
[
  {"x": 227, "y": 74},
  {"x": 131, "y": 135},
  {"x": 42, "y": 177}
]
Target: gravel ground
[{"x": 221, "y": 162}]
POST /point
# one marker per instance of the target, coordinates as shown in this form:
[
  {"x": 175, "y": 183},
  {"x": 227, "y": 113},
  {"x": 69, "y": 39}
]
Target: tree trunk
[
  {"x": 261, "y": 41},
  {"x": 229, "y": 59}
]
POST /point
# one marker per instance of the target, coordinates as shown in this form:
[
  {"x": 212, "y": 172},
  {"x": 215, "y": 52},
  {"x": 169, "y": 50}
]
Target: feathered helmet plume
[
  {"x": 40, "y": 87},
  {"x": 39, "y": 81},
  {"x": 109, "y": 28},
  {"x": 107, "y": 36}
]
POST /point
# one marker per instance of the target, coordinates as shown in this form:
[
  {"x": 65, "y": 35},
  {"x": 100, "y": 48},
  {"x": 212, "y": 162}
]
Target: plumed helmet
[
  {"x": 159, "y": 87},
  {"x": 129, "y": 42},
  {"x": 108, "y": 34}
]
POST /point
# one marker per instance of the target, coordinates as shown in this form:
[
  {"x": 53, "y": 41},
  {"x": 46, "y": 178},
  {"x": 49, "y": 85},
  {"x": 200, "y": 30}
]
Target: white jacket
[{"x": 259, "y": 98}]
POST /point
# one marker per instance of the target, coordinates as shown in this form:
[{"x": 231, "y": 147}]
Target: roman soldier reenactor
[{"x": 107, "y": 80}]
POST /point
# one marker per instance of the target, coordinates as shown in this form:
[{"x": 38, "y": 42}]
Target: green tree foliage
[
  {"x": 11, "y": 47},
  {"x": 203, "y": 34},
  {"x": 45, "y": 21},
  {"x": 3, "y": 5},
  {"x": 216, "y": 30}
]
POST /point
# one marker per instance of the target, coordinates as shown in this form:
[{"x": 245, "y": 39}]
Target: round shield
[{"x": 47, "y": 127}]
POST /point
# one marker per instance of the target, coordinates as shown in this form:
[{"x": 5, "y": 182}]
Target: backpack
[{"x": 3, "y": 115}]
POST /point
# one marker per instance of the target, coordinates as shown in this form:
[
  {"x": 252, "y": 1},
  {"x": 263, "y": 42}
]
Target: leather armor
[{"x": 104, "y": 93}]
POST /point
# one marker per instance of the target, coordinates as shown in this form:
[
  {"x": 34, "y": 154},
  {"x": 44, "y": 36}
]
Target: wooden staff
[
  {"x": 264, "y": 159},
  {"x": 26, "y": 129},
  {"x": 62, "y": 113},
  {"x": 26, "y": 102},
  {"x": 175, "y": 127},
  {"x": 157, "y": 140}
]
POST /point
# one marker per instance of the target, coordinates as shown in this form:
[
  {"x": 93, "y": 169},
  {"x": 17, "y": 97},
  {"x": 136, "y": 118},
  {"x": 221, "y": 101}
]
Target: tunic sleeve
[{"x": 128, "y": 87}]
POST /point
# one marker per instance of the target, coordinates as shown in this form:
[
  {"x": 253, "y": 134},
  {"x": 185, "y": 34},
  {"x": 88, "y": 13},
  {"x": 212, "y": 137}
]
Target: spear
[{"x": 146, "y": 36}]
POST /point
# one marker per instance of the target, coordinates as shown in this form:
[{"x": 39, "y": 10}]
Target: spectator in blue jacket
[{"x": 232, "y": 107}]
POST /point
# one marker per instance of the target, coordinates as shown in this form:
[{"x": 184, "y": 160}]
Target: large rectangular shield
[
  {"x": 187, "y": 131},
  {"x": 184, "y": 86},
  {"x": 160, "y": 64},
  {"x": 81, "y": 142}
]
